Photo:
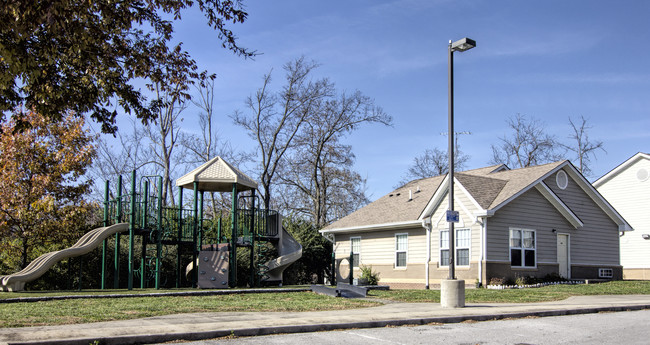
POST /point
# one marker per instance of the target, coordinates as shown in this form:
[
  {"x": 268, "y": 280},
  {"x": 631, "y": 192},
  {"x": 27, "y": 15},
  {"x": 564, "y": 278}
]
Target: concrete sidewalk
[{"x": 213, "y": 325}]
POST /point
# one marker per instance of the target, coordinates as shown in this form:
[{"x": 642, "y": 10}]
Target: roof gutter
[{"x": 374, "y": 227}]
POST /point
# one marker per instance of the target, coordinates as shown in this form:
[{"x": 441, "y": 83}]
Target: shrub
[
  {"x": 368, "y": 274},
  {"x": 496, "y": 281}
]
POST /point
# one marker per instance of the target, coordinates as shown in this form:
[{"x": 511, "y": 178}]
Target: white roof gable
[
  {"x": 623, "y": 166},
  {"x": 217, "y": 175}
]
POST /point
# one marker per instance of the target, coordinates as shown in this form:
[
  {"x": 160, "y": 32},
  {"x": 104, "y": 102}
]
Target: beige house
[
  {"x": 627, "y": 187},
  {"x": 532, "y": 221}
]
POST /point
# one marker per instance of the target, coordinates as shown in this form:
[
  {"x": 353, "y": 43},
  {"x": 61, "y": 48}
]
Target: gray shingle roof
[
  {"x": 483, "y": 189},
  {"x": 490, "y": 186},
  {"x": 394, "y": 206}
]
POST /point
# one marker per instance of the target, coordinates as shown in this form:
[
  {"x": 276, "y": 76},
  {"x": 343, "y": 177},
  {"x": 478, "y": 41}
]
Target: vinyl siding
[
  {"x": 378, "y": 247},
  {"x": 631, "y": 198},
  {"x": 529, "y": 211},
  {"x": 597, "y": 242},
  {"x": 439, "y": 222}
]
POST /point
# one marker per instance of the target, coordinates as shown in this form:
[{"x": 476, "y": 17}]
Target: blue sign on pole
[{"x": 453, "y": 216}]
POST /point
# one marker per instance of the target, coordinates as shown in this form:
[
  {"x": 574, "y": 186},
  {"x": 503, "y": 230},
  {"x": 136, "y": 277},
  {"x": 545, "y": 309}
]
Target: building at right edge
[{"x": 627, "y": 188}]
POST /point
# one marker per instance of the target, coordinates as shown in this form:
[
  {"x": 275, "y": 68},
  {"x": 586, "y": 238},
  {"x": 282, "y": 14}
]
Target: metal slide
[
  {"x": 88, "y": 242},
  {"x": 289, "y": 250}
]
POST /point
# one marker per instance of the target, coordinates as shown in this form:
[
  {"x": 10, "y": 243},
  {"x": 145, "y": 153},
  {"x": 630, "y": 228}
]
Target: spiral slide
[
  {"x": 88, "y": 242},
  {"x": 290, "y": 251}
]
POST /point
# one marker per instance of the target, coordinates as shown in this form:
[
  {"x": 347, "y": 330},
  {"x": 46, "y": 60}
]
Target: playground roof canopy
[{"x": 217, "y": 175}]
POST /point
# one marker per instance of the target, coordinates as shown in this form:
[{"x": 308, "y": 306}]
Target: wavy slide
[
  {"x": 290, "y": 251},
  {"x": 88, "y": 242}
]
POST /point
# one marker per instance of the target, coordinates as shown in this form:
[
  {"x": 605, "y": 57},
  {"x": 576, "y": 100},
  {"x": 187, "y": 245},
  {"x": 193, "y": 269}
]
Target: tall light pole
[{"x": 451, "y": 294}]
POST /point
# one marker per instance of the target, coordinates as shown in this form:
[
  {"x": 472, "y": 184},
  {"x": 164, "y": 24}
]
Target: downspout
[
  {"x": 481, "y": 258},
  {"x": 483, "y": 248},
  {"x": 426, "y": 224}
]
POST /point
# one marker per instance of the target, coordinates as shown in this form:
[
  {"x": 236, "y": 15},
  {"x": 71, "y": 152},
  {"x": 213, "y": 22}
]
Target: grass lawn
[
  {"x": 57, "y": 312},
  {"x": 10, "y": 295},
  {"x": 543, "y": 294},
  {"x": 25, "y": 314}
]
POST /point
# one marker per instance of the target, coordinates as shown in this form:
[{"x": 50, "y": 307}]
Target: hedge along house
[
  {"x": 533, "y": 221},
  {"x": 627, "y": 187}
]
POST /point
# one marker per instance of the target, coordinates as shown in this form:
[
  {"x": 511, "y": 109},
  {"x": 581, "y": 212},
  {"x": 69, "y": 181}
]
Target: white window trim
[
  {"x": 522, "y": 248},
  {"x": 406, "y": 251},
  {"x": 358, "y": 264},
  {"x": 469, "y": 248},
  {"x": 440, "y": 248}
]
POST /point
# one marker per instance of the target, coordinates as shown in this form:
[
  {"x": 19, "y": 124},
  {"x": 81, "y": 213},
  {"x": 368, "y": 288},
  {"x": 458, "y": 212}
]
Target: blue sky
[{"x": 545, "y": 59}]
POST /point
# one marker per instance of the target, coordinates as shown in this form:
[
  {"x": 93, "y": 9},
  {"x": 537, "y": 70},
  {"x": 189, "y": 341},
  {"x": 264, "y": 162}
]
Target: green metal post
[
  {"x": 81, "y": 265},
  {"x": 104, "y": 243},
  {"x": 195, "y": 229},
  {"x": 160, "y": 229},
  {"x": 201, "y": 220},
  {"x": 233, "y": 238},
  {"x": 219, "y": 230},
  {"x": 143, "y": 226},
  {"x": 180, "y": 237},
  {"x": 196, "y": 270},
  {"x": 132, "y": 220},
  {"x": 253, "y": 234},
  {"x": 118, "y": 215}
]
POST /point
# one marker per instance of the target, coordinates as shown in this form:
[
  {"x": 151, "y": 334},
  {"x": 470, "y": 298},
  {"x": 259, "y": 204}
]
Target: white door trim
[{"x": 567, "y": 273}]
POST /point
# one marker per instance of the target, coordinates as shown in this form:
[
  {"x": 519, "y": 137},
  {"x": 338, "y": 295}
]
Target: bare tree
[
  {"x": 528, "y": 145},
  {"x": 207, "y": 144},
  {"x": 118, "y": 156},
  {"x": 582, "y": 146},
  {"x": 275, "y": 118},
  {"x": 434, "y": 162},
  {"x": 319, "y": 157}
]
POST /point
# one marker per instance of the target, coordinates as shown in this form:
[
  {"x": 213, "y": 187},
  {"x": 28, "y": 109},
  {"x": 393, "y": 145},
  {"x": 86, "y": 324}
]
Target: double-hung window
[
  {"x": 355, "y": 248},
  {"x": 522, "y": 248},
  {"x": 401, "y": 249},
  {"x": 463, "y": 241},
  {"x": 444, "y": 248}
]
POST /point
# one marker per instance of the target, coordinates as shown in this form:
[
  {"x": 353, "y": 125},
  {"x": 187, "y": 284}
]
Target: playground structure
[{"x": 183, "y": 232}]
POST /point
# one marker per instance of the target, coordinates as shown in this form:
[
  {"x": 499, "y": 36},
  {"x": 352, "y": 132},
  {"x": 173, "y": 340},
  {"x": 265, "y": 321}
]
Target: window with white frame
[
  {"x": 401, "y": 249},
  {"x": 523, "y": 248},
  {"x": 355, "y": 249},
  {"x": 463, "y": 241}
]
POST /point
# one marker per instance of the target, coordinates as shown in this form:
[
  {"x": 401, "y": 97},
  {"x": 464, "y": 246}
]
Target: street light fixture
[
  {"x": 463, "y": 44},
  {"x": 451, "y": 297}
]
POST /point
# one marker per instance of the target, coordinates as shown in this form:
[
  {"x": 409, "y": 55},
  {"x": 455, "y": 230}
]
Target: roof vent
[
  {"x": 561, "y": 179},
  {"x": 418, "y": 190},
  {"x": 410, "y": 195}
]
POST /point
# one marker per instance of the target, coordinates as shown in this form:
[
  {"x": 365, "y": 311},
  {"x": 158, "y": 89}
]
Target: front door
[{"x": 563, "y": 254}]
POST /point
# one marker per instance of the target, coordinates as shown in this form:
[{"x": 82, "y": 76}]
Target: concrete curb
[{"x": 247, "y": 332}]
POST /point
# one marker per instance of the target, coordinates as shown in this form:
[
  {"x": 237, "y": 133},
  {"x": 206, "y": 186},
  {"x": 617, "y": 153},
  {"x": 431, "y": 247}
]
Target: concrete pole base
[{"x": 452, "y": 293}]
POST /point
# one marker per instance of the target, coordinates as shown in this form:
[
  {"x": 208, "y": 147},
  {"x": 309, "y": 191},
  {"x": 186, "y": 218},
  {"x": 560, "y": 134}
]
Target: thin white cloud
[
  {"x": 580, "y": 78},
  {"x": 555, "y": 43}
]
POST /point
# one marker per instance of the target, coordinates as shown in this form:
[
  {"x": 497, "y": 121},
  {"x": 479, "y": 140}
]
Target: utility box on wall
[{"x": 214, "y": 266}]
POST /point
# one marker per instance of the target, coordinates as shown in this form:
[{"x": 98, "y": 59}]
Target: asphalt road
[{"x": 632, "y": 327}]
